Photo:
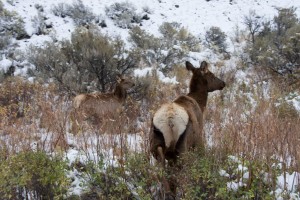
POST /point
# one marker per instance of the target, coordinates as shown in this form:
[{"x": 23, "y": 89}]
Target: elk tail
[
  {"x": 173, "y": 135},
  {"x": 171, "y": 119}
]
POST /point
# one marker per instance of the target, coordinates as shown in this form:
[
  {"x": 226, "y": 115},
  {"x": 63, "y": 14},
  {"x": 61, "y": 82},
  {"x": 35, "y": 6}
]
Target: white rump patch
[{"x": 171, "y": 119}]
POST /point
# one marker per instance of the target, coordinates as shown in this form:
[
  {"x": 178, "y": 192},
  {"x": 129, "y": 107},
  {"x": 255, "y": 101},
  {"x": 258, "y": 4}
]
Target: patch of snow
[
  {"x": 288, "y": 181},
  {"x": 142, "y": 72},
  {"x": 241, "y": 76},
  {"x": 5, "y": 64},
  {"x": 165, "y": 79},
  {"x": 234, "y": 186},
  {"x": 148, "y": 71}
]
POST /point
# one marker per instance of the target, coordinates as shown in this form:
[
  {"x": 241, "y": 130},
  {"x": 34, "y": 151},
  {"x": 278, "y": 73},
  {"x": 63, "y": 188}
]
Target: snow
[
  {"x": 142, "y": 72},
  {"x": 148, "y": 71},
  {"x": 288, "y": 181},
  {"x": 5, "y": 64},
  {"x": 197, "y": 16}
]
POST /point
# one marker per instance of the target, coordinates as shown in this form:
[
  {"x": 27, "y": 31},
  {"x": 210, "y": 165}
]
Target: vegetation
[
  {"x": 216, "y": 39},
  {"x": 275, "y": 44},
  {"x": 164, "y": 52},
  {"x": 123, "y": 14},
  {"x": 252, "y": 128},
  {"x": 33, "y": 175},
  {"x": 11, "y": 23},
  {"x": 80, "y": 13},
  {"x": 11, "y": 26},
  {"x": 90, "y": 61}
]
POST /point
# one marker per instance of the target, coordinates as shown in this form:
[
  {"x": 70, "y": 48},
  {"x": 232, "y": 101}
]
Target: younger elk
[
  {"x": 177, "y": 126},
  {"x": 98, "y": 106}
]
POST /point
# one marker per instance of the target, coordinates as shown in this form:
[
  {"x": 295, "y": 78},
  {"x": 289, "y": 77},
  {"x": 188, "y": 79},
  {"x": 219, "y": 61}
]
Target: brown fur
[
  {"x": 97, "y": 106},
  {"x": 202, "y": 82}
]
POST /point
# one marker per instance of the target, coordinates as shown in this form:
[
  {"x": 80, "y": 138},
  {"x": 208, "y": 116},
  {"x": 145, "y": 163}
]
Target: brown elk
[
  {"x": 95, "y": 107},
  {"x": 177, "y": 126}
]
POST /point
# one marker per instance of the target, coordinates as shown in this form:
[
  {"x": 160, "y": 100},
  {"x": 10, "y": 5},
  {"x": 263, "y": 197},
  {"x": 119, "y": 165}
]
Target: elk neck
[
  {"x": 120, "y": 93},
  {"x": 200, "y": 96}
]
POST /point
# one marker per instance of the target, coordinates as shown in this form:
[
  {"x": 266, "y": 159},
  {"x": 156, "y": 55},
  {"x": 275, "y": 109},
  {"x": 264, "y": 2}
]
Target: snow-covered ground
[{"x": 196, "y": 15}]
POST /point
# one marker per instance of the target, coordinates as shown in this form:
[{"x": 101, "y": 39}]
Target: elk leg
[{"x": 161, "y": 158}]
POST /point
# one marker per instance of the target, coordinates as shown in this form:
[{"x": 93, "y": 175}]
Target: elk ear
[
  {"x": 189, "y": 66},
  {"x": 204, "y": 66}
]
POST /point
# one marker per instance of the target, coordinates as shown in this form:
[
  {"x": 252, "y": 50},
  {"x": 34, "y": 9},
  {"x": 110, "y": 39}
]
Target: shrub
[
  {"x": 5, "y": 41},
  {"x": 15, "y": 99},
  {"x": 141, "y": 39},
  {"x": 253, "y": 23},
  {"x": 101, "y": 56},
  {"x": 39, "y": 24},
  {"x": 199, "y": 177},
  {"x": 133, "y": 179},
  {"x": 50, "y": 63},
  {"x": 216, "y": 39},
  {"x": 277, "y": 45},
  {"x": 286, "y": 110},
  {"x": 285, "y": 20},
  {"x": 123, "y": 14},
  {"x": 33, "y": 175},
  {"x": 60, "y": 10},
  {"x": 80, "y": 13},
  {"x": 95, "y": 58},
  {"x": 174, "y": 34},
  {"x": 11, "y": 24},
  {"x": 167, "y": 50}
]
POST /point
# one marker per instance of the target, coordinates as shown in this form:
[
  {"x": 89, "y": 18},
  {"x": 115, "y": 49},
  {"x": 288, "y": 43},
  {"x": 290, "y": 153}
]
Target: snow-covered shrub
[
  {"x": 175, "y": 34},
  {"x": 169, "y": 31},
  {"x": 140, "y": 38},
  {"x": 39, "y": 24},
  {"x": 123, "y": 14},
  {"x": 80, "y": 13},
  {"x": 167, "y": 50},
  {"x": 216, "y": 39},
  {"x": 5, "y": 41},
  {"x": 11, "y": 24},
  {"x": 151, "y": 48},
  {"x": 60, "y": 10}
]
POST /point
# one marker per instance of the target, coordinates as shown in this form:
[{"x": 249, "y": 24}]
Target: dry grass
[
  {"x": 263, "y": 132},
  {"x": 234, "y": 126}
]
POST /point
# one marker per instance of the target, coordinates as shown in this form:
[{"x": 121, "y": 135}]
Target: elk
[
  {"x": 97, "y": 106},
  {"x": 177, "y": 126}
]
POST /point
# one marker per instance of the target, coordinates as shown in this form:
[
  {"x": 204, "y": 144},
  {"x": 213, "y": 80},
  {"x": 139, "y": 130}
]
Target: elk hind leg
[{"x": 169, "y": 191}]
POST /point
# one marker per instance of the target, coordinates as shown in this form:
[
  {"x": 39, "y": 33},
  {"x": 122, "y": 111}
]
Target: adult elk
[
  {"x": 177, "y": 126},
  {"x": 98, "y": 106}
]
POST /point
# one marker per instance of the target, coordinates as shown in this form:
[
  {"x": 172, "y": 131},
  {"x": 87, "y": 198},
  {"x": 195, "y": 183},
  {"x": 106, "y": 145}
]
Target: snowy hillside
[{"x": 196, "y": 15}]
